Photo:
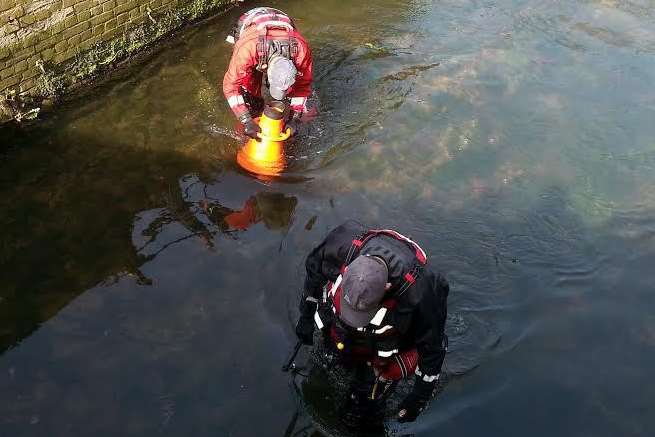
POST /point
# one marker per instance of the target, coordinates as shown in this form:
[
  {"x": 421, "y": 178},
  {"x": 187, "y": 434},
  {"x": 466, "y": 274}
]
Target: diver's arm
[
  {"x": 324, "y": 263},
  {"x": 429, "y": 324}
]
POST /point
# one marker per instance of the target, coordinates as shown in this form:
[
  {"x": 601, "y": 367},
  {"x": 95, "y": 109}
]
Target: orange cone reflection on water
[{"x": 266, "y": 156}]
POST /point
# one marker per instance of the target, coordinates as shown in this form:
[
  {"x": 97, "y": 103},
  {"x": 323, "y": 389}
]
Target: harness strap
[
  {"x": 410, "y": 279},
  {"x": 411, "y": 276},
  {"x": 293, "y": 47},
  {"x": 286, "y": 48},
  {"x": 425, "y": 377},
  {"x": 262, "y": 56}
]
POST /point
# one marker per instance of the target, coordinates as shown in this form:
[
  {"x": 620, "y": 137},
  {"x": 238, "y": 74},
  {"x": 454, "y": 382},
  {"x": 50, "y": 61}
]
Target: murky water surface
[{"x": 149, "y": 287}]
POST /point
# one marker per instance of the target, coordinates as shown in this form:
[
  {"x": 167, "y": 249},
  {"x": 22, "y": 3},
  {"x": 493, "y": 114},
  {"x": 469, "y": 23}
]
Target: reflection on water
[{"x": 150, "y": 287}]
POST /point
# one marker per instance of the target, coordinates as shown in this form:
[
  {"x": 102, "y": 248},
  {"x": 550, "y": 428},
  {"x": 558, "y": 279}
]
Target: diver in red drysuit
[{"x": 267, "y": 48}]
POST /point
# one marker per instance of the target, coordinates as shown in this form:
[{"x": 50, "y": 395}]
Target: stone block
[
  {"x": 111, "y": 24},
  {"x": 42, "y": 14},
  {"x": 70, "y": 21},
  {"x": 46, "y": 42},
  {"x": 112, "y": 33},
  {"x": 26, "y": 86},
  {"x": 57, "y": 27},
  {"x": 89, "y": 43},
  {"x": 9, "y": 82},
  {"x": 21, "y": 66},
  {"x": 122, "y": 8},
  {"x": 122, "y": 18},
  {"x": 7, "y": 4},
  {"x": 83, "y": 16},
  {"x": 48, "y": 54},
  {"x": 30, "y": 40},
  {"x": 74, "y": 41},
  {"x": 23, "y": 54},
  {"x": 30, "y": 73},
  {"x": 5, "y": 73},
  {"x": 4, "y": 52},
  {"x": 136, "y": 22},
  {"x": 11, "y": 15},
  {"x": 102, "y": 18},
  {"x": 68, "y": 3},
  {"x": 109, "y": 6},
  {"x": 82, "y": 6},
  {"x": 97, "y": 30},
  {"x": 61, "y": 47},
  {"x": 27, "y": 20},
  {"x": 63, "y": 57},
  {"x": 11, "y": 27},
  {"x": 78, "y": 28},
  {"x": 72, "y": 51},
  {"x": 96, "y": 10},
  {"x": 135, "y": 14},
  {"x": 6, "y": 17}
]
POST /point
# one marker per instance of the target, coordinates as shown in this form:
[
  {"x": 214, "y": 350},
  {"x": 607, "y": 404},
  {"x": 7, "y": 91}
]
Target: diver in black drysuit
[{"x": 379, "y": 308}]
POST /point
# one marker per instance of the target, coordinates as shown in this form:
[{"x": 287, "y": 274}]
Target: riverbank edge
[{"x": 73, "y": 79}]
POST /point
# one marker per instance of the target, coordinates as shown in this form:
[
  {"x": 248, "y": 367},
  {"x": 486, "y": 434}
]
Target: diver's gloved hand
[
  {"x": 416, "y": 401},
  {"x": 294, "y": 124},
  {"x": 305, "y": 326},
  {"x": 305, "y": 330},
  {"x": 250, "y": 128}
]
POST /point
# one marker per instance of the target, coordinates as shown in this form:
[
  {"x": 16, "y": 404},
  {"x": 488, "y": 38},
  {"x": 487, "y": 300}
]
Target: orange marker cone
[{"x": 266, "y": 156}]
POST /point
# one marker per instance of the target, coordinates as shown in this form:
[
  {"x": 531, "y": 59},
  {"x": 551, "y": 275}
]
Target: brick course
[{"x": 37, "y": 36}]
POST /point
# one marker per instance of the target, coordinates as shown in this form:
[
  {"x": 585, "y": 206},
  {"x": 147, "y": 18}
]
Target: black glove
[
  {"x": 305, "y": 330},
  {"x": 416, "y": 401},
  {"x": 293, "y": 125},
  {"x": 250, "y": 128}
]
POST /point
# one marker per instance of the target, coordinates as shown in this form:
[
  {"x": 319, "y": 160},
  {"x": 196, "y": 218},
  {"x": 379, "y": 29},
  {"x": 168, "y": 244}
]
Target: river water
[{"x": 149, "y": 287}]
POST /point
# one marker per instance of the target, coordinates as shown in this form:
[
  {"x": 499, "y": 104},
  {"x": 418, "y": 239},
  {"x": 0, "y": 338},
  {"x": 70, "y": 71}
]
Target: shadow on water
[
  {"x": 67, "y": 222},
  {"x": 66, "y": 231}
]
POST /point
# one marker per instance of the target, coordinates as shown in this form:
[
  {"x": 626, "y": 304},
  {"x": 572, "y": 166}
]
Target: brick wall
[{"x": 61, "y": 41}]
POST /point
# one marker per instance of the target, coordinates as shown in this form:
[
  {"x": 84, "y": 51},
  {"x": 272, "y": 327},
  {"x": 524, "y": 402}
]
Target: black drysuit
[{"x": 420, "y": 312}]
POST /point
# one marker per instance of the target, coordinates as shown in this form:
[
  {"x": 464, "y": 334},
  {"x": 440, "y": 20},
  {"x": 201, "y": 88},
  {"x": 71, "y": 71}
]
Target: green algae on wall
[{"x": 47, "y": 47}]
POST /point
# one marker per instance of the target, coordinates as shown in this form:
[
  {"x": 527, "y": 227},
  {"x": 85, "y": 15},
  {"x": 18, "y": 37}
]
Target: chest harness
[
  {"x": 267, "y": 19},
  {"x": 380, "y": 338}
]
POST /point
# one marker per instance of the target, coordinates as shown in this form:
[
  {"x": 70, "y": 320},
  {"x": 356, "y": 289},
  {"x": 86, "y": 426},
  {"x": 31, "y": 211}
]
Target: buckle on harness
[{"x": 410, "y": 278}]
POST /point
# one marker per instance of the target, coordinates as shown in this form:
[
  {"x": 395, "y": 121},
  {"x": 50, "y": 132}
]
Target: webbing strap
[{"x": 411, "y": 276}]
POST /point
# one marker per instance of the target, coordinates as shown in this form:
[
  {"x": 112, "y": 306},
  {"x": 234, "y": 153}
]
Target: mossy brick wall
[{"x": 47, "y": 45}]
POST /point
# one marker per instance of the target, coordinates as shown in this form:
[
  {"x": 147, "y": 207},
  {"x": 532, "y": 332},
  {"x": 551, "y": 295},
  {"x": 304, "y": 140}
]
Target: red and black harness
[
  {"x": 376, "y": 339},
  {"x": 267, "y": 19}
]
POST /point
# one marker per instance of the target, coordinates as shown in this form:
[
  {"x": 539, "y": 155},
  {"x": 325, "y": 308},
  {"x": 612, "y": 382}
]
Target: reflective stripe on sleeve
[
  {"x": 235, "y": 101},
  {"x": 298, "y": 101},
  {"x": 336, "y": 284},
  {"x": 401, "y": 364},
  {"x": 318, "y": 321},
  {"x": 427, "y": 378},
  {"x": 387, "y": 354},
  {"x": 377, "y": 319},
  {"x": 383, "y": 329}
]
